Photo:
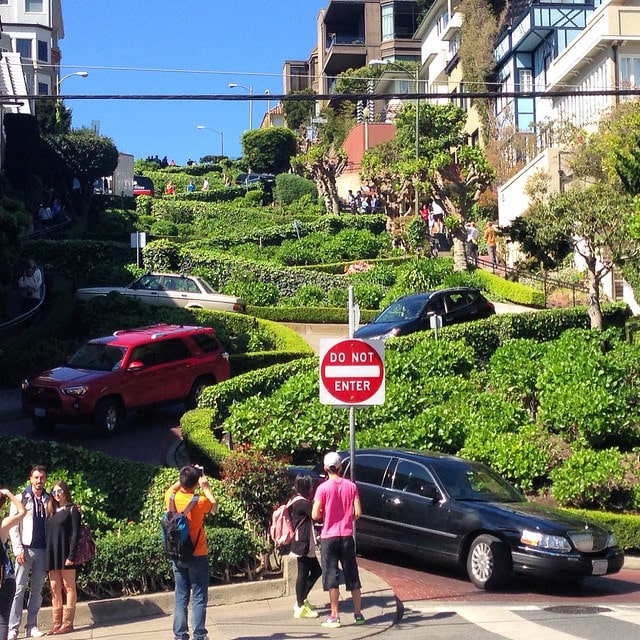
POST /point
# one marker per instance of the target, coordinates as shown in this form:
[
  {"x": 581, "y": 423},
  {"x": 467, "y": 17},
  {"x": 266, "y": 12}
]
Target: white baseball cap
[{"x": 332, "y": 459}]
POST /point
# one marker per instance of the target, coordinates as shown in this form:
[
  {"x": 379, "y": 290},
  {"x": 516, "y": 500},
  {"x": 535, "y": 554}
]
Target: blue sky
[{"x": 200, "y": 47}]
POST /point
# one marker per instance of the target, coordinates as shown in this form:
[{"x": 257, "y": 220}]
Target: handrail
[
  {"x": 45, "y": 231},
  {"x": 503, "y": 270}
]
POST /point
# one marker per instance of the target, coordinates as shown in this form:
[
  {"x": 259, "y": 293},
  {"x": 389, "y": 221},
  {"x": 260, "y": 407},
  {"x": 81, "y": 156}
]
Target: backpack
[
  {"x": 176, "y": 538},
  {"x": 282, "y": 530}
]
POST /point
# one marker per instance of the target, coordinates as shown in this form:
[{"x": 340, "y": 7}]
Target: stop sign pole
[{"x": 352, "y": 374}]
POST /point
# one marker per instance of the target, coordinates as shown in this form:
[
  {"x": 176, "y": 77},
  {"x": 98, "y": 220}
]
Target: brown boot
[
  {"x": 68, "y": 614},
  {"x": 57, "y": 620}
]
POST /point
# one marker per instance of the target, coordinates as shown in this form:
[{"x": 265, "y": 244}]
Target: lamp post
[
  {"x": 235, "y": 85},
  {"x": 81, "y": 74},
  {"x": 416, "y": 79},
  {"x": 268, "y": 93},
  {"x": 220, "y": 133}
]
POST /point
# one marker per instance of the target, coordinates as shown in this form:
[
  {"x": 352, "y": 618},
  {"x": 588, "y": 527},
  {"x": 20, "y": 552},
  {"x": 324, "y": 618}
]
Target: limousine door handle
[{"x": 395, "y": 500}]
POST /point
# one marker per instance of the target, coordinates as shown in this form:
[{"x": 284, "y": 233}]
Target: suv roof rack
[{"x": 160, "y": 329}]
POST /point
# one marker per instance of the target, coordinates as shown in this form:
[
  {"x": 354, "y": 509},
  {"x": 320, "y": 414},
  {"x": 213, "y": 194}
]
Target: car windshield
[
  {"x": 400, "y": 310},
  {"x": 96, "y": 356},
  {"x": 475, "y": 482}
]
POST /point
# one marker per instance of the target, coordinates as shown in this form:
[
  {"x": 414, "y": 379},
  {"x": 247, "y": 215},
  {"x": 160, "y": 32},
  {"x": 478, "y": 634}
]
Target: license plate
[
  {"x": 599, "y": 567},
  {"x": 39, "y": 413}
]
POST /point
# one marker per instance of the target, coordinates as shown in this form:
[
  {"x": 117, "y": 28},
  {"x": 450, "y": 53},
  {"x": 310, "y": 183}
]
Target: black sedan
[
  {"x": 413, "y": 313},
  {"x": 446, "y": 508}
]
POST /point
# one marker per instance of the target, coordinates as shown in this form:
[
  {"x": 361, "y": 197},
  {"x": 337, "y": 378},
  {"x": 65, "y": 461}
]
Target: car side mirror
[{"x": 136, "y": 365}]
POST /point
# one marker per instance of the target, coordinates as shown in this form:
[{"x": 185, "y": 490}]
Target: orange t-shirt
[
  {"x": 490, "y": 236},
  {"x": 195, "y": 517}
]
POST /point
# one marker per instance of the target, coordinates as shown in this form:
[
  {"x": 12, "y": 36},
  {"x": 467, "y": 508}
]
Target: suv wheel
[
  {"x": 191, "y": 401},
  {"x": 489, "y": 563},
  {"x": 107, "y": 416},
  {"x": 42, "y": 425}
]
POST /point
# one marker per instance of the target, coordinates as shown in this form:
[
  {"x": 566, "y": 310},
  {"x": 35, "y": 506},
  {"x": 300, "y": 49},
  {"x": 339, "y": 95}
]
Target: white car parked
[{"x": 171, "y": 289}]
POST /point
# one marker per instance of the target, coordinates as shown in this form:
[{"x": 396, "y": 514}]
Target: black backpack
[{"x": 176, "y": 538}]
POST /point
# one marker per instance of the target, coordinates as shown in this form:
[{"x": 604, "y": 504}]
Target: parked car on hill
[
  {"x": 142, "y": 186},
  {"x": 130, "y": 369},
  {"x": 246, "y": 179},
  {"x": 170, "y": 289},
  {"x": 446, "y": 508},
  {"x": 413, "y": 313}
]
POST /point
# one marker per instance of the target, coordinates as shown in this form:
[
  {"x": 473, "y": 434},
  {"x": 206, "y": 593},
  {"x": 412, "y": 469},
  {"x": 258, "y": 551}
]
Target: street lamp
[
  {"x": 416, "y": 79},
  {"x": 82, "y": 74},
  {"x": 201, "y": 126},
  {"x": 268, "y": 93},
  {"x": 235, "y": 85}
]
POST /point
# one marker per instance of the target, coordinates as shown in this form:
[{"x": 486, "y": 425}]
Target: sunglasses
[{"x": 57, "y": 492}]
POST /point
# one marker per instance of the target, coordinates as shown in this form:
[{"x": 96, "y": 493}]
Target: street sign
[{"x": 351, "y": 372}]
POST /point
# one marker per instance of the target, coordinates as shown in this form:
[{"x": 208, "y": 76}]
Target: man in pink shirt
[{"x": 337, "y": 505}]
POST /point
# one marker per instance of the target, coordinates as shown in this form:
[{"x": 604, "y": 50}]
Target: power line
[{"x": 455, "y": 96}]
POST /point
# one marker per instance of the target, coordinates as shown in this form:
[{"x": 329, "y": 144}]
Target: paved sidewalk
[{"x": 237, "y": 612}]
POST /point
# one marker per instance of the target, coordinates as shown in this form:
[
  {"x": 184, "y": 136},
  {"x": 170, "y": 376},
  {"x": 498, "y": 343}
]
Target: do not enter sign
[{"x": 351, "y": 372}]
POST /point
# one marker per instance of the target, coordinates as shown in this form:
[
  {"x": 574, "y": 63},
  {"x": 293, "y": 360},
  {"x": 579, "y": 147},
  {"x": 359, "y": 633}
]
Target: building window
[
  {"x": 629, "y": 77},
  {"x": 33, "y": 6},
  {"x": 387, "y": 22},
  {"x": 4, "y": 1},
  {"x": 23, "y": 47},
  {"x": 43, "y": 51},
  {"x": 525, "y": 80},
  {"x": 43, "y": 89}
]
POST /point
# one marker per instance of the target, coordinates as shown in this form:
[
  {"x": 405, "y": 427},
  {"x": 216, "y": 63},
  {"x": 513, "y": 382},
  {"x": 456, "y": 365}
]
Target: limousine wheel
[{"x": 488, "y": 563}]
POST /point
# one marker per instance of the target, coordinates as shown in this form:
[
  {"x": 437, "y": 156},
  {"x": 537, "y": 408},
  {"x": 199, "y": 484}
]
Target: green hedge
[{"x": 508, "y": 290}]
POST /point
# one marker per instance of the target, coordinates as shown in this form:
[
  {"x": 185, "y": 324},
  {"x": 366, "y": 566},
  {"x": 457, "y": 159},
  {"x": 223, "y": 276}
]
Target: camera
[{"x": 199, "y": 469}]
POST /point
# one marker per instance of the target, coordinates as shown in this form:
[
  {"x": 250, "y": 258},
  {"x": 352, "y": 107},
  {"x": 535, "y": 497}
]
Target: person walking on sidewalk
[
  {"x": 303, "y": 546},
  {"x": 28, "y": 542},
  {"x": 8, "y": 583},
  {"x": 337, "y": 505},
  {"x": 192, "y": 576}
]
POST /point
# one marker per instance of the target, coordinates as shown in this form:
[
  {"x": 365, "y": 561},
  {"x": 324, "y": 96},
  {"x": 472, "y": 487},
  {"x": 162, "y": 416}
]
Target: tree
[
  {"x": 598, "y": 223},
  {"x": 84, "y": 155},
  {"x": 447, "y": 170},
  {"x": 297, "y": 113},
  {"x": 269, "y": 150}
]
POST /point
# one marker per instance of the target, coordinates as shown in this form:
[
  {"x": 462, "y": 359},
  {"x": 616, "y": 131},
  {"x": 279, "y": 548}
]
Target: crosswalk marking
[{"x": 510, "y": 622}]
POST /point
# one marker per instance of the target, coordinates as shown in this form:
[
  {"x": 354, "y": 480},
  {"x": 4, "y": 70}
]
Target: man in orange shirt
[
  {"x": 490, "y": 239},
  {"x": 192, "y": 576}
]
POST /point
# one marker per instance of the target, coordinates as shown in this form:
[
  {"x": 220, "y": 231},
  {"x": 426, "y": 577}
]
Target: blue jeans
[
  {"x": 35, "y": 565},
  {"x": 191, "y": 577}
]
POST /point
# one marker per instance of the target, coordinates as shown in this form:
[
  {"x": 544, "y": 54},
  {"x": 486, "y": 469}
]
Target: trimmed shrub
[{"x": 291, "y": 187}]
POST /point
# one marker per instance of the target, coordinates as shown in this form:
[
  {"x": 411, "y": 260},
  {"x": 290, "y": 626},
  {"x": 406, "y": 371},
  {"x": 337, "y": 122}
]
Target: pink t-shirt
[{"x": 337, "y": 498}]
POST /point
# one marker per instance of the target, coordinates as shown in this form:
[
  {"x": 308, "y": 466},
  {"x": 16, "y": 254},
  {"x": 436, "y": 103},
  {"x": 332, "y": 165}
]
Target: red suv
[{"x": 132, "y": 368}]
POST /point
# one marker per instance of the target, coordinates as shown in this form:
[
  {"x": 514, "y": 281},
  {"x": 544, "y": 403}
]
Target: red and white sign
[{"x": 351, "y": 372}]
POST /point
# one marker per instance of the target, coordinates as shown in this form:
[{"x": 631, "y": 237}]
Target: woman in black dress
[
  {"x": 62, "y": 533},
  {"x": 7, "y": 577}
]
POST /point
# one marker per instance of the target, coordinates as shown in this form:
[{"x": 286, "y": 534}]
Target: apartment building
[
  {"x": 31, "y": 30},
  {"x": 350, "y": 33}
]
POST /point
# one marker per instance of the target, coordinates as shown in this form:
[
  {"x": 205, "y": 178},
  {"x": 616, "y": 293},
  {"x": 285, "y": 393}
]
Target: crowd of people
[
  {"x": 44, "y": 529},
  {"x": 363, "y": 201},
  {"x": 335, "y": 503}
]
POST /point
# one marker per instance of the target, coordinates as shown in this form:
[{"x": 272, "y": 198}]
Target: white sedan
[{"x": 170, "y": 289}]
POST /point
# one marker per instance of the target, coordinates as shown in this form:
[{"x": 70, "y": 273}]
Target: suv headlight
[
  {"x": 611, "y": 540},
  {"x": 80, "y": 390},
  {"x": 544, "y": 541}
]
